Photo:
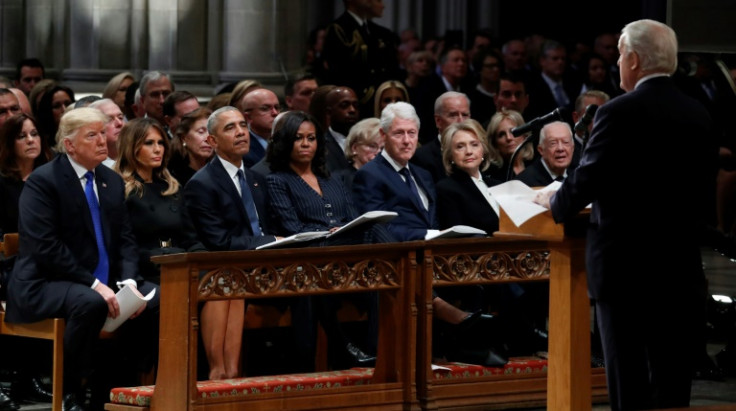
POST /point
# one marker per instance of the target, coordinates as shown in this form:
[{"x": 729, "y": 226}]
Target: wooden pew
[
  {"x": 450, "y": 263},
  {"x": 389, "y": 269},
  {"x": 51, "y": 329}
]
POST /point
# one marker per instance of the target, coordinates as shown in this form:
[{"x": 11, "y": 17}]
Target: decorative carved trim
[
  {"x": 495, "y": 266},
  {"x": 233, "y": 282}
]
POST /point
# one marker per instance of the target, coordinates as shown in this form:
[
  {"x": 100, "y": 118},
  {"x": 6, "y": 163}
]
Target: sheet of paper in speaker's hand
[
  {"x": 129, "y": 303},
  {"x": 517, "y": 200}
]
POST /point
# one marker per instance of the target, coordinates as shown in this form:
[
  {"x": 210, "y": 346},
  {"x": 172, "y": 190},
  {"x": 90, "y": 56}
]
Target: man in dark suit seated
[
  {"x": 450, "y": 107},
  {"x": 227, "y": 204},
  {"x": 76, "y": 244},
  {"x": 342, "y": 111},
  {"x": 556, "y": 150},
  {"x": 390, "y": 183}
]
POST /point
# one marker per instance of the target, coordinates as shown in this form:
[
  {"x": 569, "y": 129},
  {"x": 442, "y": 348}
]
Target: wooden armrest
[{"x": 9, "y": 246}]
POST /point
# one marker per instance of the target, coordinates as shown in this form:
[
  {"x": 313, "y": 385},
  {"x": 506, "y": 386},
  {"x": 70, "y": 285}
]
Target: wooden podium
[{"x": 569, "y": 379}]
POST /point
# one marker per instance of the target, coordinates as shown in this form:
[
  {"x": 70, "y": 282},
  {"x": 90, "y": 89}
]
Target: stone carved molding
[
  {"x": 268, "y": 279},
  {"x": 494, "y": 266}
]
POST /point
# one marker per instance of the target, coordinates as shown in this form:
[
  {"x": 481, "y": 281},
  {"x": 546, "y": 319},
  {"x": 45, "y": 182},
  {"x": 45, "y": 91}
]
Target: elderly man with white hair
[{"x": 650, "y": 313}]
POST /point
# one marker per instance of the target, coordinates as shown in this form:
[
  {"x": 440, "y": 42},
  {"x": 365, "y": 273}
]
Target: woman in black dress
[
  {"x": 160, "y": 221},
  {"x": 21, "y": 150}
]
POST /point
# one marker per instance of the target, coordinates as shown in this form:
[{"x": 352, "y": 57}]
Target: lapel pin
[{"x": 104, "y": 185}]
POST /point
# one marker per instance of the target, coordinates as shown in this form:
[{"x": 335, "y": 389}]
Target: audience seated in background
[
  {"x": 176, "y": 105},
  {"x": 500, "y": 136},
  {"x": 342, "y": 111},
  {"x": 260, "y": 107},
  {"x": 488, "y": 67},
  {"x": 112, "y": 129},
  {"x": 117, "y": 87},
  {"x": 21, "y": 150},
  {"x": 9, "y": 105},
  {"x": 25, "y": 104},
  {"x": 556, "y": 148},
  {"x": 298, "y": 91},
  {"x": 28, "y": 73},
  {"x": 362, "y": 145},
  {"x": 450, "y": 107},
  {"x": 52, "y": 105},
  {"x": 190, "y": 150},
  {"x": 389, "y": 92},
  {"x": 154, "y": 87}
]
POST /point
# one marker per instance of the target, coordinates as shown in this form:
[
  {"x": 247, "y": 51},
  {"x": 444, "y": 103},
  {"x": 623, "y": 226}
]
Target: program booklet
[
  {"x": 129, "y": 303},
  {"x": 457, "y": 231},
  {"x": 376, "y": 216}
]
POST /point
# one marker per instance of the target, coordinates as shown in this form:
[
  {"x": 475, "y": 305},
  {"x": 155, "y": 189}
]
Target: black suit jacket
[
  {"x": 256, "y": 152},
  {"x": 335, "y": 157},
  {"x": 459, "y": 202},
  {"x": 57, "y": 239},
  {"x": 377, "y": 186},
  {"x": 542, "y": 101},
  {"x": 429, "y": 157},
  {"x": 635, "y": 211},
  {"x": 535, "y": 175},
  {"x": 217, "y": 211}
]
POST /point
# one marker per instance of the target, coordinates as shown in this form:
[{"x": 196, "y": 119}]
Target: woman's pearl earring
[{"x": 184, "y": 144}]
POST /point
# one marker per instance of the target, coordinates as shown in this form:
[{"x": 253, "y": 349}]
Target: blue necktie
[
  {"x": 560, "y": 96},
  {"x": 103, "y": 265},
  {"x": 250, "y": 206},
  {"x": 412, "y": 187}
]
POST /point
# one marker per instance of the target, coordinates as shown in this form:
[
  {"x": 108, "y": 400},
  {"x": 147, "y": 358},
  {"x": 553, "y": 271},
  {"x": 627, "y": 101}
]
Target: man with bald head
[
  {"x": 9, "y": 105},
  {"x": 25, "y": 105},
  {"x": 114, "y": 124},
  {"x": 260, "y": 108},
  {"x": 450, "y": 107},
  {"x": 342, "y": 111}
]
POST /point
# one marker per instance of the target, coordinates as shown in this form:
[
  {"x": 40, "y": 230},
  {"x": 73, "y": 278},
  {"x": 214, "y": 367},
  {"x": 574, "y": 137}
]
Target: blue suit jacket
[
  {"x": 377, "y": 186},
  {"x": 637, "y": 137},
  {"x": 58, "y": 246},
  {"x": 217, "y": 211}
]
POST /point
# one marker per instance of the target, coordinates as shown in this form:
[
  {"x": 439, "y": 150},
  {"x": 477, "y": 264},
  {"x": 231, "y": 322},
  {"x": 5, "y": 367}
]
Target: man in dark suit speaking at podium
[{"x": 643, "y": 257}]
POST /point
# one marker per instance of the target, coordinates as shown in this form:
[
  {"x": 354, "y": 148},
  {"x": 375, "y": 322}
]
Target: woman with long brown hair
[{"x": 153, "y": 196}]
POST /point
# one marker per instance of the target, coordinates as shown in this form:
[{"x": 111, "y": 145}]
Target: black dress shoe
[
  {"x": 70, "y": 403},
  {"x": 487, "y": 357},
  {"x": 358, "y": 357},
  {"x": 7, "y": 403},
  {"x": 478, "y": 330},
  {"x": 597, "y": 362},
  {"x": 30, "y": 389}
]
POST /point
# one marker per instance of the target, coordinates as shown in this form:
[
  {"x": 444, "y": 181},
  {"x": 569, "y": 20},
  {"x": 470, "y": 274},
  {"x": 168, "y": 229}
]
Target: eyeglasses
[
  {"x": 555, "y": 143},
  {"x": 266, "y": 108},
  {"x": 372, "y": 148},
  {"x": 9, "y": 110},
  {"x": 458, "y": 114}
]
